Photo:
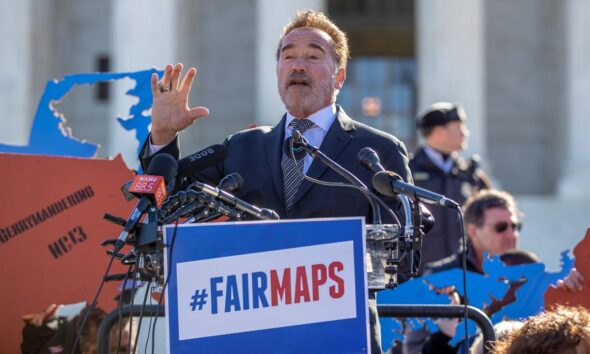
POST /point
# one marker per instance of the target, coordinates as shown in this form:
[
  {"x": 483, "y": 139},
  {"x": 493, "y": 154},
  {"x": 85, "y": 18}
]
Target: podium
[{"x": 289, "y": 286}]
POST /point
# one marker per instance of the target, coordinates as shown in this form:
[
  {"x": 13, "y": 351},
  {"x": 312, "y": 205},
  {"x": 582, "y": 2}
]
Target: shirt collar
[
  {"x": 437, "y": 158},
  {"x": 323, "y": 119}
]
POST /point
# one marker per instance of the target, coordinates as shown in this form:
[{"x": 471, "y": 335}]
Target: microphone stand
[
  {"x": 198, "y": 207},
  {"x": 315, "y": 152},
  {"x": 379, "y": 232},
  {"x": 409, "y": 243}
]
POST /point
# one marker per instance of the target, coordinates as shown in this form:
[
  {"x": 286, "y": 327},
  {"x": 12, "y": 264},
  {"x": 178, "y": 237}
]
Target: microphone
[
  {"x": 151, "y": 189},
  {"x": 298, "y": 148},
  {"x": 370, "y": 160},
  {"x": 200, "y": 160},
  {"x": 254, "y": 211},
  {"x": 390, "y": 183},
  {"x": 231, "y": 183}
]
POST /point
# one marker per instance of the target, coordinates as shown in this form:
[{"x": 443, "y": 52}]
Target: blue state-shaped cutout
[
  {"x": 48, "y": 133},
  {"x": 481, "y": 290}
]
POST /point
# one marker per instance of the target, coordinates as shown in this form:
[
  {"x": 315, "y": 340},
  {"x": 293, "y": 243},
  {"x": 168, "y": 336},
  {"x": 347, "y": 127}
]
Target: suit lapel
[
  {"x": 274, "y": 149},
  {"x": 336, "y": 139}
]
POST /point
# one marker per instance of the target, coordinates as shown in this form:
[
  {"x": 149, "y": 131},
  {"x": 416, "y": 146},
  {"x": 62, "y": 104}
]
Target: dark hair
[
  {"x": 477, "y": 204},
  {"x": 426, "y": 131},
  {"x": 88, "y": 342},
  {"x": 319, "y": 21},
  {"x": 559, "y": 330},
  {"x": 39, "y": 339}
]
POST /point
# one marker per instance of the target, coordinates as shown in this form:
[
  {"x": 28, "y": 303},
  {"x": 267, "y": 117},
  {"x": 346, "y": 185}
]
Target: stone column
[
  {"x": 576, "y": 169},
  {"x": 144, "y": 35},
  {"x": 15, "y": 72},
  {"x": 450, "y": 58},
  {"x": 272, "y": 16}
]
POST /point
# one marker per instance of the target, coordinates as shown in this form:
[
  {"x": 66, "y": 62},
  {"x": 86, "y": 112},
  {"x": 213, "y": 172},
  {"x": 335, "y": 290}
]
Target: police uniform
[{"x": 449, "y": 175}]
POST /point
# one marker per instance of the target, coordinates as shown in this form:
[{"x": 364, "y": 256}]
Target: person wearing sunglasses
[
  {"x": 492, "y": 226},
  {"x": 437, "y": 166}
]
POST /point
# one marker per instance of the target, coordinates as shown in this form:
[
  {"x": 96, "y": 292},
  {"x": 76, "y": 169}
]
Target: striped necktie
[{"x": 293, "y": 171}]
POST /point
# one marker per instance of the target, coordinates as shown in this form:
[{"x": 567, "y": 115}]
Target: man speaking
[{"x": 311, "y": 69}]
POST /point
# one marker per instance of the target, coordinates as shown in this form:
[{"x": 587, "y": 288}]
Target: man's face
[
  {"x": 497, "y": 234},
  {"x": 308, "y": 78},
  {"x": 455, "y": 135}
]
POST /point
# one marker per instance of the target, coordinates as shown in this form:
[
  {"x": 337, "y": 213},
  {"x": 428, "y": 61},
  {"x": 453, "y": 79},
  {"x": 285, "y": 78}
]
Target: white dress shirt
[
  {"x": 438, "y": 160},
  {"x": 315, "y": 135}
]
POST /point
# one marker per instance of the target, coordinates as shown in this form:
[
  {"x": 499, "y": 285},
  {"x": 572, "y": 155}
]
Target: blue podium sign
[{"x": 293, "y": 286}]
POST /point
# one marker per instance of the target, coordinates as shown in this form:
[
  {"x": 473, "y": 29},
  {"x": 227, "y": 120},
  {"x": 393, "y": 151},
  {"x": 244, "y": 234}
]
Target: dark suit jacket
[{"x": 256, "y": 155}]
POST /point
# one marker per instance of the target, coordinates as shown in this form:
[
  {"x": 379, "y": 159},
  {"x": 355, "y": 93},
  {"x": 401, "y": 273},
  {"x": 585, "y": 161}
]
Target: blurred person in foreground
[
  {"x": 437, "y": 166},
  {"x": 47, "y": 332},
  {"x": 502, "y": 329},
  {"x": 562, "y": 330},
  {"x": 311, "y": 69}
]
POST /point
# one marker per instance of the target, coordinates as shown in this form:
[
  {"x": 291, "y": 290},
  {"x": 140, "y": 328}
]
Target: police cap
[{"x": 440, "y": 113}]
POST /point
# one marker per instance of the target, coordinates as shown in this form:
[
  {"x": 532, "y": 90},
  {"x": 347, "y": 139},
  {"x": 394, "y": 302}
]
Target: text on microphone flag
[{"x": 153, "y": 186}]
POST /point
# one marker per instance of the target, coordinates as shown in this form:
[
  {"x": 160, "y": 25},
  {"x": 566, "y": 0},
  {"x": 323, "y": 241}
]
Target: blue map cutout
[
  {"x": 482, "y": 289},
  {"x": 48, "y": 133}
]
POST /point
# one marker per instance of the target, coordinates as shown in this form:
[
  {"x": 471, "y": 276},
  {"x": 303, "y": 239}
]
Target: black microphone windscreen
[
  {"x": 231, "y": 183},
  {"x": 368, "y": 158},
  {"x": 426, "y": 219},
  {"x": 298, "y": 149},
  {"x": 382, "y": 182},
  {"x": 163, "y": 165},
  {"x": 201, "y": 160}
]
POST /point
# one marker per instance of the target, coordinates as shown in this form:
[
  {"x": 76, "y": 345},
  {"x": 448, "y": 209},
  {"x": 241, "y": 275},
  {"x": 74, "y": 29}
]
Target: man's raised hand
[{"x": 170, "y": 110}]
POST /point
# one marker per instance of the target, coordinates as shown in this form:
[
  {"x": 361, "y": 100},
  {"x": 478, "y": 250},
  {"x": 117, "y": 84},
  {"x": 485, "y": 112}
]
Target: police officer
[{"x": 437, "y": 166}]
